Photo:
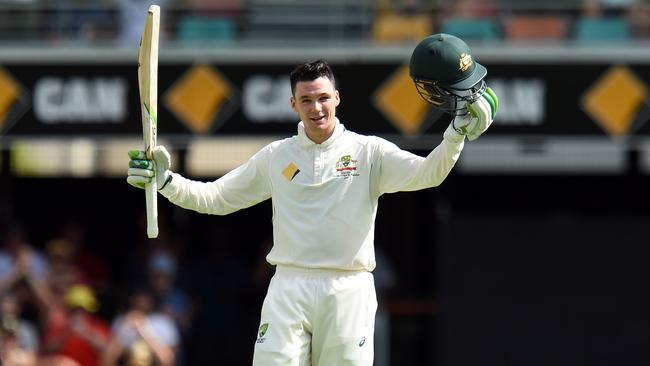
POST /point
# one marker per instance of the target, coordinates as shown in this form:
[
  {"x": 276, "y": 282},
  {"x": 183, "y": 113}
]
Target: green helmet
[{"x": 445, "y": 74}]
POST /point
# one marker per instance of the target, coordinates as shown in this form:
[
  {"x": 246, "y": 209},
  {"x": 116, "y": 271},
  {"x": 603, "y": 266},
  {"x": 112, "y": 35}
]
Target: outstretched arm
[{"x": 243, "y": 187}]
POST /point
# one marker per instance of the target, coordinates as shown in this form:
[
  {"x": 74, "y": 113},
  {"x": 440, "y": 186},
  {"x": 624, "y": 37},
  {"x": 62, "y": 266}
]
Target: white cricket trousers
[{"x": 317, "y": 317}]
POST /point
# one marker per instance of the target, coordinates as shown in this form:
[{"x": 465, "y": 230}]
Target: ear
[
  {"x": 292, "y": 101},
  {"x": 337, "y": 97}
]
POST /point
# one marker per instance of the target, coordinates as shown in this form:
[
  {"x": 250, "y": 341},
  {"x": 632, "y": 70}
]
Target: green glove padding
[
  {"x": 494, "y": 100},
  {"x": 142, "y": 170}
]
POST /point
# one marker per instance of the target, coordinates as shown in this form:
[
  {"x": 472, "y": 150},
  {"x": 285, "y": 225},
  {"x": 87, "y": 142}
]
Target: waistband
[{"x": 322, "y": 272}]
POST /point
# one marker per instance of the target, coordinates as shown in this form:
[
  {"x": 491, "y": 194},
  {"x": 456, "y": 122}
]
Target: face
[
  {"x": 142, "y": 302},
  {"x": 315, "y": 102},
  {"x": 161, "y": 281},
  {"x": 9, "y": 305}
]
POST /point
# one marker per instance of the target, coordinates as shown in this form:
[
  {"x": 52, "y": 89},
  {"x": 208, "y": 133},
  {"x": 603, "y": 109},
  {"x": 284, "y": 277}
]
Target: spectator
[
  {"x": 71, "y": 330},
  {"x": 172, "y": 299},
  {"x": 18, "y": 261},
  {"x": 61, "y": 273},
  {"x": 18, "y": 337},
  {"x": 93, "y": 267},
  {"x": 143, "y": 336},
  {"x": 18, "y": 258}
]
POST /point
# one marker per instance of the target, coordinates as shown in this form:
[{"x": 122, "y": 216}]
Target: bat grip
[{"x": 151, "y": 192}]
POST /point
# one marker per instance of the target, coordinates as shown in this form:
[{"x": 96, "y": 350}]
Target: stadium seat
[
  {"x": 398, "y": 28},
  {"x": 599, "y": 29},
  {"x": 536, "y": 27},
  {"x": 475, "y": 29},
  {"x": 194, "y": 29}
]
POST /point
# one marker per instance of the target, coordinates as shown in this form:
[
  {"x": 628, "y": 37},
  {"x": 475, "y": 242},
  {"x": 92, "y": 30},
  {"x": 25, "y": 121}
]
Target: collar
[{"x": 304, "y": 140}]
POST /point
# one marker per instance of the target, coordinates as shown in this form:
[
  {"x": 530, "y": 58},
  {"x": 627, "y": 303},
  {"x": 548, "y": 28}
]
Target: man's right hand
[{"x": 141, "y": 170}]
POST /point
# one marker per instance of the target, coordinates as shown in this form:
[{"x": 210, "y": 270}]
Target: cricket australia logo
[
  {"x": 262, "y": 332},
  {"x": 346, "y": 167},
  {"x": 465, "y": 61}
]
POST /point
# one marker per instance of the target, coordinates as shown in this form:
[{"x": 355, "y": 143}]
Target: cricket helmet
[{"x": 445, "y": 74}]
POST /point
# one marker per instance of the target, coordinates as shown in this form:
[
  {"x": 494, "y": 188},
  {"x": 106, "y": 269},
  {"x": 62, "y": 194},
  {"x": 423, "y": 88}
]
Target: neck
[{"x": 319, "y": 138}]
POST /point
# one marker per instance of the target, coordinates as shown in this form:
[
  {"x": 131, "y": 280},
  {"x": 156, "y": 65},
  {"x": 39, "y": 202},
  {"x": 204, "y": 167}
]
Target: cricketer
[{"x": 324, "y": 184}]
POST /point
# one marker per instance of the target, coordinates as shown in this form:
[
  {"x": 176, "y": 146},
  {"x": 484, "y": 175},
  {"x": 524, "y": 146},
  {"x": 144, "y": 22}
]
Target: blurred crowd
[
  {"x": 188, "y": 22},
  {"x": 63, "y": 303},
  {"x": 180, "y": 299}
]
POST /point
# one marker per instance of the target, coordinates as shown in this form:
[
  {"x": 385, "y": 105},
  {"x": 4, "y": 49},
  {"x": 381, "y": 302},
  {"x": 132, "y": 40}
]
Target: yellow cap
[{"x": 82, "y": 296}]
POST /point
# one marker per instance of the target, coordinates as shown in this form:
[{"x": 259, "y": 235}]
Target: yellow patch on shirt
[{"x": 290, "y": 171}]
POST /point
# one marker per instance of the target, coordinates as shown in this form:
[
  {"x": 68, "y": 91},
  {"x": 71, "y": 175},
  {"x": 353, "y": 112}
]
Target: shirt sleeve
[
  {"x": 240, "y": 188},
  {"x": 399, "y": 170}
]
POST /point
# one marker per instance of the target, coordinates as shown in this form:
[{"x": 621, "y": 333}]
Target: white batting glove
[
  {"x": 480, "y": 116},
  {"x": 141, "y": 170}
]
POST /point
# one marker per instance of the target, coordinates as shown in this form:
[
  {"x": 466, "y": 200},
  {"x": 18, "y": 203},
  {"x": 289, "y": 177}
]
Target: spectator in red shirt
[{"x": 72, "y": 330}]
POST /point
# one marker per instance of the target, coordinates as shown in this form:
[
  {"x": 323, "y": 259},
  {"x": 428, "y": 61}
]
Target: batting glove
[
  {"x": 141, "y": 170},
  {"x": 480, "y": 116}
]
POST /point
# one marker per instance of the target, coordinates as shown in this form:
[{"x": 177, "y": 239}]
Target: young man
[{"x": 324, "y": 184}]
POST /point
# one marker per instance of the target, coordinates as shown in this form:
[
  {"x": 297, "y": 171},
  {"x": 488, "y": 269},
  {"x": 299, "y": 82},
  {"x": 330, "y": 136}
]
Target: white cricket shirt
[{"x": 324, "y": 195}]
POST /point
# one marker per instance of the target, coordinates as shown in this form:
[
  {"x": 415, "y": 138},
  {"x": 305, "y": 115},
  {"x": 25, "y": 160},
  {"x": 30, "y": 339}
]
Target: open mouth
[{"x": 318, "y": 119}]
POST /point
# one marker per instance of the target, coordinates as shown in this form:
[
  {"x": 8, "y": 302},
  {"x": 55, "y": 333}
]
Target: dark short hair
[{"x": 310, "y": 71}]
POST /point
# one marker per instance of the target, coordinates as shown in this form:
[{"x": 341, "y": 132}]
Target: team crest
[
  {"x": 346, "y": 167},
  {"x": 263, "y": 328},
  {"x": 262, "y": 332},
  {"x": 465, "y": 61},
  {"x": 346, "y": 163}
]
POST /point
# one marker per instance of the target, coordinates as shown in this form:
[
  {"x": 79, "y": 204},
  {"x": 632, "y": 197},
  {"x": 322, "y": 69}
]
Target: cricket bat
[{"x": 148, "y": 84}]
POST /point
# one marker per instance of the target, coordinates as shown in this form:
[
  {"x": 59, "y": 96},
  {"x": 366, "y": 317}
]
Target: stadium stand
[
  {"x": 337, "y": 19},
  {"x": 381, "y": 21},
  {"x": 472, "y": 29},
  {"x": 193, "y": 29},
  {"x": 536, "y": 27},
  {"x": 596, "y": 23},
  {"x": 595, "y": 30},
  {"x": 394, "y": 27}
]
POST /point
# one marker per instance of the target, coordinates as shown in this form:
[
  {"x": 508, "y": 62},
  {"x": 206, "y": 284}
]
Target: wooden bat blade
[{"x": 148, "y": 85}]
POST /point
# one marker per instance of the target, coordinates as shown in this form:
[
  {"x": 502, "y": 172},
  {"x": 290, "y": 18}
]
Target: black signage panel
[{"x": 102, "y": 99}]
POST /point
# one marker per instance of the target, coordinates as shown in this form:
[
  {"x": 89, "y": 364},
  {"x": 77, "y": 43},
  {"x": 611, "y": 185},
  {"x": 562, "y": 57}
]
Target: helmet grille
[{"x": 450, "y": 101}]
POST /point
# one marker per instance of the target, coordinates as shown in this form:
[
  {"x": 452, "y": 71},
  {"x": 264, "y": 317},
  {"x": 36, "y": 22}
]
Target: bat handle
[{"x": 151, "y": 191}]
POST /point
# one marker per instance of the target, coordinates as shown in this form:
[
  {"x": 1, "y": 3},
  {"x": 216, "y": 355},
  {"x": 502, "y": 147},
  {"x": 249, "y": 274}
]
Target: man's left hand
[{"x": 480, "y": 116}]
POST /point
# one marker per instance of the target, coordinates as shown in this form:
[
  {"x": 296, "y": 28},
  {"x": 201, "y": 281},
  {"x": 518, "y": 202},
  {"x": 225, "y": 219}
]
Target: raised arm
[{"x": 399, "y": 170}]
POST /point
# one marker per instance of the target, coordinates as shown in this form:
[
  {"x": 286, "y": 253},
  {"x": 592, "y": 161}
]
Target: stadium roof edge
[{"x": 492, "y": 52}]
